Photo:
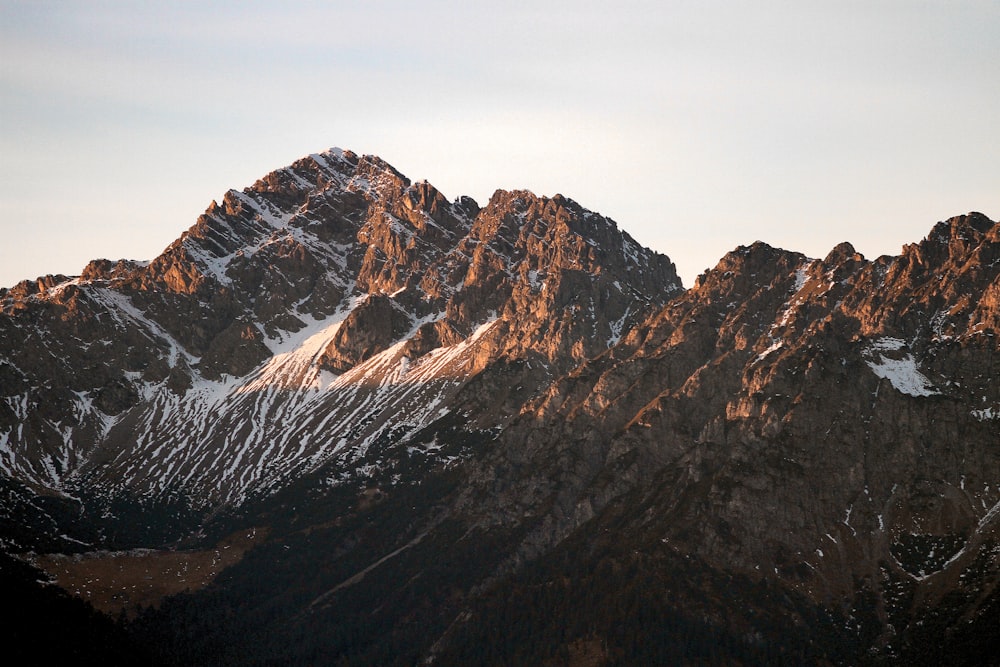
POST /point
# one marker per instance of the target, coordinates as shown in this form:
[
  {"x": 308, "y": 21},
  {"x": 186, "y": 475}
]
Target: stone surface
[{"x": 336, "y": 342}]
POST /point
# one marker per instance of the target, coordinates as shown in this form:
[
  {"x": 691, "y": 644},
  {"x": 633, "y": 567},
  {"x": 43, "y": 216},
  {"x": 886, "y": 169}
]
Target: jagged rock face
[
  {"x": 328, "y": 311},
  {"x": 832, "y": 424},
  {"x": 499, "y": 384}
]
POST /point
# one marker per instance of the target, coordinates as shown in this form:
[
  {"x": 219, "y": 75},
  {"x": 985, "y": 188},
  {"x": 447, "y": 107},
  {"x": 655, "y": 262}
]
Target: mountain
[
  {"x": 327, "y": 312},
  {"x": 344, "y": 420}
]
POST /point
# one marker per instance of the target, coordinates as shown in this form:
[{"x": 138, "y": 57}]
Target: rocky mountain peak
[
  {"x": 450, "y": 406},
  {"x": 841, "y": 254},
  {"x": 344, "y": 285}
]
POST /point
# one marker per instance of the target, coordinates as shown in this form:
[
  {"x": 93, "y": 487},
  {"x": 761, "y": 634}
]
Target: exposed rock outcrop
[
  {"x": 331, "y": 292},
  {"x": 475, "y": 401}
]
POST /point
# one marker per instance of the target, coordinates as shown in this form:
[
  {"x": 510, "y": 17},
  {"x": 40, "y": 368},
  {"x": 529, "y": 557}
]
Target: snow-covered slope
[{"x": 325, "y": 314}]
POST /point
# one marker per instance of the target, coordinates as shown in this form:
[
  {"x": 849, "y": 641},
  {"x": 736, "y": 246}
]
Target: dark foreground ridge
[{"x": 343, "y": 420}]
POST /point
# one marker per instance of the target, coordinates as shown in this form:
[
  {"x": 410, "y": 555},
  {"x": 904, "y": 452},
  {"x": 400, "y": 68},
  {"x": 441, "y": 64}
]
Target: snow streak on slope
[
  {"x": 278, "y": 267},
  {"x": 296, "y": 356},
  {"x": 225, "y": 440},
  {"x": 45, "y": 446}
]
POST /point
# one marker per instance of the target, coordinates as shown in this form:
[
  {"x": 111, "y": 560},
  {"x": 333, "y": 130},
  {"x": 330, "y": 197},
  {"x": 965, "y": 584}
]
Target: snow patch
[
  {"x": 902, "y": 373},
  {"x": 986, "y": 414},
  {"x": 801, "y": 276},
  {"x": 776, "y": 345},
  {"x": 887, "y": 344},
  {"x": 617, "y": 327}
]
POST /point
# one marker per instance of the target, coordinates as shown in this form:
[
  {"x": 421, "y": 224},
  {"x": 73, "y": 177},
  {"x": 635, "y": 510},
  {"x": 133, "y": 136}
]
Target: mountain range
[{"x": 343, "y": 420}]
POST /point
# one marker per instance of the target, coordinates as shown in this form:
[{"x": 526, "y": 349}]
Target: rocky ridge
[
  {"x": 436, "y": 411},
  {"x": 329, "y": 310},
  {"x": 830, "y": 424}
]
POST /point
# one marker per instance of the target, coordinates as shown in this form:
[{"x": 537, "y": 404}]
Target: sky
[{"x": 697, "y": 126}]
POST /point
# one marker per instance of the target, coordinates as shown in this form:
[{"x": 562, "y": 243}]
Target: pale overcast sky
[{"x": 697, "y": 126}]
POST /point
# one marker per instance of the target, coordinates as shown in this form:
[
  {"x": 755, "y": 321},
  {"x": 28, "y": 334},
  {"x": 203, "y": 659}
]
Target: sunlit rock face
[
  {"x": 474, "y": 402},
  {"x": 330, "y": 308},
  {"x": 830, "y": 424}
]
